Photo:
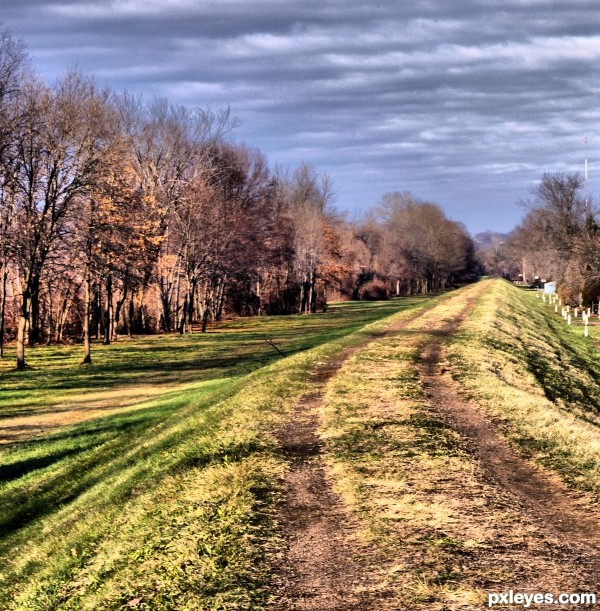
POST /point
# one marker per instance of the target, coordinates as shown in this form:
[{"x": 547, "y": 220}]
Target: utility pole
[{"x": 585, "y": 174}]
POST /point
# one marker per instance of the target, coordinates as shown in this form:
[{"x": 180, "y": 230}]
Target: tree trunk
[
  {"x": 21, "y": 340},
  {"x": 50, "y": 317},
  {"x": 258, "y": 300},
  {"x": 309, "y": 292},
  {"x": 165, "y": 289},
  {"x": 22, "y": 327},
  {"x": 182, "y": 318},
  {"x": 108, "y": 312},
  {"x": 205, "y": 317},
  {"x": 61, "y": 315},
  {"x": 191, "y": 306},
  {"x": 4, "y": 279},
  {"x": 87, "y": 344},
  {"x": 130, "y": 317},
  {"x": 178, "y": 310},
  {"x": 143, "y": 321},
  {"x": 34, "y": 311},
  {"x": 118, "y": 310},
  {"x": 207, "y": 308},
  {"x": 312, "y": 293},
  {"x": 98, "y": 310},
  {"x": 302, "y": 289},
  {"x": 220, "y": 300},
  {"x": 165, "y": 302}
]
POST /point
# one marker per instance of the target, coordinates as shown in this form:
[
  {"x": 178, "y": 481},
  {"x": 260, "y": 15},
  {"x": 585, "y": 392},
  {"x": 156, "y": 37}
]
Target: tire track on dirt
[
  {"x": 552, "y": 500},
  {"x": 322, "y": 566},
  {"x": 544, "y": 538},
  {"x": 566, "y": 527}
]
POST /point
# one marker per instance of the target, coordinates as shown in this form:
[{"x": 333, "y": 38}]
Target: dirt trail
[
  {"x": 322, "y": 567},
  {"x": 535, "y": 490},
  {"x": 318, "y": 570},
  {"x": 543, "y": 536}
]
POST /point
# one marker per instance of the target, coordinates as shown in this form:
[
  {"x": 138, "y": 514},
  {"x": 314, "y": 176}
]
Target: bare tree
[
  {"x": 559, "y": 235},
  {"x": 171, "y": 147},
  {"x": 308, "y": 197},
  {"x": 13, "y": 71},
  {"x": 432, "y": 249},
  {"x": 59, "y": 148},
  {"x": 224, "y": 229}
]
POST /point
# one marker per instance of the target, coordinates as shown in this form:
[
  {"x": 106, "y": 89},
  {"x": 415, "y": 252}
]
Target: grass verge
[{"x": 55, "y": 379}]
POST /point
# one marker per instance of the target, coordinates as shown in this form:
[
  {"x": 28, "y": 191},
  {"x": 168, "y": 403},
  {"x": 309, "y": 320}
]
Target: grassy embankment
[
  {"x": 425, "y": 510},
  {"x": 166, "y": 502},
  {"x": 539, "y": 377}
]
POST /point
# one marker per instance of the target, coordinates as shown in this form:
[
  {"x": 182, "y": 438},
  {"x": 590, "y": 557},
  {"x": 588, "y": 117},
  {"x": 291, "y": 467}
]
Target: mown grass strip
[{"x": 231, "y": 349}]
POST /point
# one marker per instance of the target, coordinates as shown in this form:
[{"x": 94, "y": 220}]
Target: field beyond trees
[{"x": 453, "y": 439}]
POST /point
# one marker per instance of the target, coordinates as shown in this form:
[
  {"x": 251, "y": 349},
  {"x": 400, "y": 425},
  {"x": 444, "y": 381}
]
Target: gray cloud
[{"x": 466, "y": 104}]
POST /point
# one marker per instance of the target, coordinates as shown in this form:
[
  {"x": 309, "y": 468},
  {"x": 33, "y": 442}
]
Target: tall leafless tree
[
  {"x": 59, "y": 148},
  {"x": 13, "y": 71}
]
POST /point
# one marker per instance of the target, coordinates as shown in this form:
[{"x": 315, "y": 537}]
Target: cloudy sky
[{"x": 464, "y": 103}]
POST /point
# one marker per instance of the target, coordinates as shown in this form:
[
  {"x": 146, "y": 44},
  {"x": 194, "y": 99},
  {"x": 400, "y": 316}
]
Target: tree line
[
  {"x": 557, "y": 240},
  {"x": 120, "y": 215}
]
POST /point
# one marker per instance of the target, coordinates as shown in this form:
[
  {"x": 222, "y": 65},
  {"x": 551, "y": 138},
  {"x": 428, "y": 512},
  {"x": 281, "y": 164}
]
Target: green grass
[
  {"x": 228, "y": 350},
  {"x": 537, "y": 376},
  {"x": 167, "y": 505}
]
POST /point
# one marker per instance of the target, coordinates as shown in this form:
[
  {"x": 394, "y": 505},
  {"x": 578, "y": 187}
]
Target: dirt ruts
[
  {"x": 318, "y": 569},
  {"x": 564, "y": 547},
  {"x": 323, "y": 566},
  {"x": 533, "y": 488}
]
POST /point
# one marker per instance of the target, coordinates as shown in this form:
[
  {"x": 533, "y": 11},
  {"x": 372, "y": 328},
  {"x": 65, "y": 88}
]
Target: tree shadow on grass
[{"x": 21, "y": 468}]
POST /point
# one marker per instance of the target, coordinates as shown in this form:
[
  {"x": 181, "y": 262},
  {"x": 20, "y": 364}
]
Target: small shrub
[{"x": 375, "y": 290}]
